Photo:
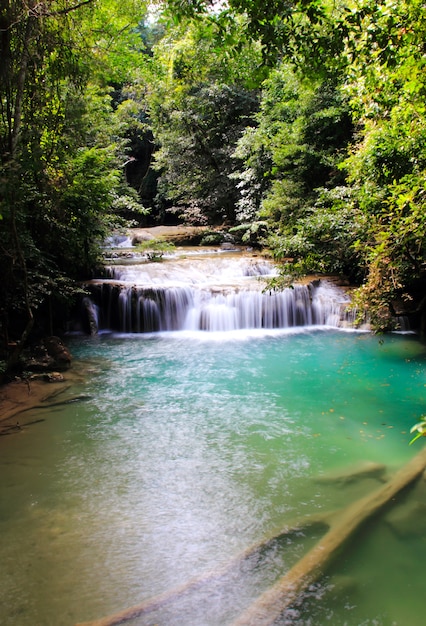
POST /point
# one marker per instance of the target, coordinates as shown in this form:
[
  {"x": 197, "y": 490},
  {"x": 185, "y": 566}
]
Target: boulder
[{"x": 48, "y": 355}]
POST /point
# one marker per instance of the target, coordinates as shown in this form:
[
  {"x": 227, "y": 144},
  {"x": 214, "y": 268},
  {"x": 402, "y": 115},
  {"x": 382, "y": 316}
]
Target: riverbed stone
[{"x": 48, "y": 377}]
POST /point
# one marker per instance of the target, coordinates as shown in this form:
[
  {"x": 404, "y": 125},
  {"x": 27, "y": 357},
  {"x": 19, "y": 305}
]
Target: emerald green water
[{"x": 175, "y": 452}]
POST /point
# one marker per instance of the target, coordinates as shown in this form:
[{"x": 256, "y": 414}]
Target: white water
[{"x": 215, "y": 293}]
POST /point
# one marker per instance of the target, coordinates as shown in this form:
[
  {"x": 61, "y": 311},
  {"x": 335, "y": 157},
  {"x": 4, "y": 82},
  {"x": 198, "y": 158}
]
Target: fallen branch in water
[
  {"x": 271, "y": 604},
  {"x": 320, "y": 520},
  {"x": 268, "y": 607}
]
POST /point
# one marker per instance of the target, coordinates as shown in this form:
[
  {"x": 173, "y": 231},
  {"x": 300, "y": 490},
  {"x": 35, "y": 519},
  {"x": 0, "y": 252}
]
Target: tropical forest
[{"x": 212, "y": 312}]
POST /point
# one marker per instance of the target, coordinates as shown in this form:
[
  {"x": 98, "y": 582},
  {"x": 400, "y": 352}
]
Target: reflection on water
[{"x": 185, "y": 451}]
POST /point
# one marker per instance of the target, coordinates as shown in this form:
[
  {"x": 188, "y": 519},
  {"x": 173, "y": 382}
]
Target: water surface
[{"x": 182, "y": 449}]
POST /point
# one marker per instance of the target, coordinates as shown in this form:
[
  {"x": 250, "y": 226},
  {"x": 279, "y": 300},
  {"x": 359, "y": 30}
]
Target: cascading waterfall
[{"x": 211, "y": 293}]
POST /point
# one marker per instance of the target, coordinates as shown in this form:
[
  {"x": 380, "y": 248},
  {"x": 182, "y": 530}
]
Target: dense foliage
[
  {"x": 386, "y": 168},
  {"x": 62, "y": 149},
  {"x": 300, "y": 126},
  {"x": 202, "y": 99},
  {"x": 334, "y": 164}
]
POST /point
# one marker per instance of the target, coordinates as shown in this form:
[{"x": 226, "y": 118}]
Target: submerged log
[
  {"x": 270, "y": 605},
  {"x": 316, "y": 521},
  {"x": 362, "y": 471}
]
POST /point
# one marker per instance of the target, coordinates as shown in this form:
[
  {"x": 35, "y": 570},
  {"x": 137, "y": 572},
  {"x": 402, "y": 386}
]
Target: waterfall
[{"x": 211, "y": 293}]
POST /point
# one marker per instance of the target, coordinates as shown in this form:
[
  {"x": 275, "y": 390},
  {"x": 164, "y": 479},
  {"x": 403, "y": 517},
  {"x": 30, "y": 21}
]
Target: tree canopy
[
  {"x": 334, "y": 161},
  {"x": 62, "y": 148},
  {"x": 298, "y": 125}
]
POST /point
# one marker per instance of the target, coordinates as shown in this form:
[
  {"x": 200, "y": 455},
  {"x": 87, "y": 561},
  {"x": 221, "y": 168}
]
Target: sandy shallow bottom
[{"x": 19, "y": 397}]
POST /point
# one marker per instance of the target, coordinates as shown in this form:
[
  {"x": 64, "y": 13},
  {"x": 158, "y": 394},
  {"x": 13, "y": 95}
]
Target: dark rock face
[
  {"x": 89, "y": 317},
  {"x": 50, "y": 354}
]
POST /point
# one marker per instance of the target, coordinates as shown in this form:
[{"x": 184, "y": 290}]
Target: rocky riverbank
[
  {"x": 20, "y": 396},
  {"x": 45, "y": 367}
]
